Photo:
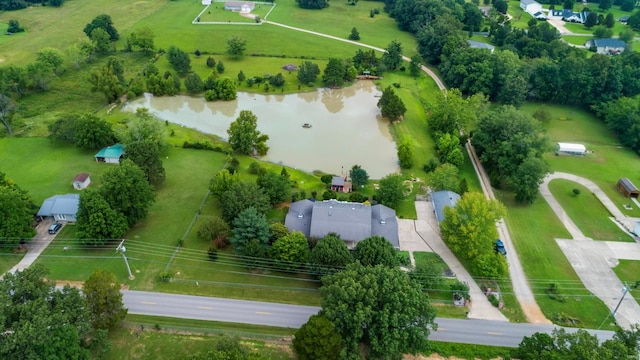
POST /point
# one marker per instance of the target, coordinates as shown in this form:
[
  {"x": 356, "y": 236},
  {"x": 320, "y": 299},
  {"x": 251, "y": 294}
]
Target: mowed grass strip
[
  {"x": 533, "y": 230},
  {"x": 586, "y": 211},
  {"x": 628, "y": 271}
]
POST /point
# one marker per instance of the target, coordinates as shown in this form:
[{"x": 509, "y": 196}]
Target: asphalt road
[{"x": 483, "y": 332}]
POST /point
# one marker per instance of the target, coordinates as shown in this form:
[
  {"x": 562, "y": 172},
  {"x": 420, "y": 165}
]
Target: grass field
[
  {"x": 217, "y": 13},
  {"x": 586, "y": 211},
  {"x": 577, "y": 40},
  {"x": 8, "y": 258},
  {"x": 520, "y": 18},
  {"x": 629, "y": 271}
]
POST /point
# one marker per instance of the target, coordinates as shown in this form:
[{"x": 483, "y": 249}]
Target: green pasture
[
  {"x": 468, "y": 172},
  {"x": 533, "y": 230},
  {"x": 586, "y": 211},
  {"x": 577, "y": 40},
  {"x": 8, "y": 258},
  {"x": 217, "y": 13},
  {"x": 605, "y": 166},
  {"x": 520, "y": 17},
  {"x": 629, "y": 271}
]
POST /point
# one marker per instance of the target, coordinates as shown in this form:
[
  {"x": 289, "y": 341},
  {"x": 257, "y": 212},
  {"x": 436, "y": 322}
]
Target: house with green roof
[{"x": 111, "y": 154}]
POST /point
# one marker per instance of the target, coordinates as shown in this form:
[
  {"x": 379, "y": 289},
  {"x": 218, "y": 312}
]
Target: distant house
[
  {"x": 206, "y": 2},
  {"x": 626, "y": 187},
  {"x": 624, "y": 19},
  {"x": 353, "y": 222},
  {"x": 480, "y": 45},
  {"x": 533, "y": 8},
  {"x": 569, "y": 15},
  {"x": 60, "y": 207},
  {"x": 570, "y": 149},
  {"x": 81, "y": 181},
  {"x": 441, "y": 200},
  {"x": 241, "y": 6},
  {"x": 606, "y": 46},
  {"x": 340, "y": 184},
  {"x": 111, "y": 154}
]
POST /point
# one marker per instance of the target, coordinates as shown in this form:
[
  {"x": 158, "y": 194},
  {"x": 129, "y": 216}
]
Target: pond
[{"x": 345, "y": 126}]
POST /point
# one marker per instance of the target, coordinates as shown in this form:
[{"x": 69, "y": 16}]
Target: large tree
[
  {"x": 236, "y": 46},
  {"x": 104, "y": 299},
  {"x": 107, "y": 81},
  {"x": 92, "y": 132},
  {"x": 126, "y": 190},
  {"x": 40, "y": 322},
  {"x": 376, "y": 250},
  {"x": 142, "y": 38},
  {"x": 391, "y": 190},
  {"x": 444, "y": 177},
  {"x": 16, "y": 213},
  {"x": 50, "y": 57},
  {"x": 392, "y": 57},
  {"x": 276, "y": 186},
  {"x": 240, "y": 196},
  {"x": 222, "y": 182},
  {"x": 308, "y": 72},
  {"x": 454, "y": 114},
  {"x": 330, "y": 255},
  {"x": 97, "y": 221},
  {"x": 249, "y": 225},
  {"x": 405, "y": 155},
  {"x": 504, "y": 139},
  {"x": 390, "y": 104},
  {"x": 359, "y": 177},
  {"x": 317, "y": 339},
  {"x": 313, "y": 4},
  {"x": 146, "y": 154},
  {"x": 449, "y": 149},
  {"x": 364, "y": 305},
  {"x": 143, "y": 126},
  {"x": 244, "y": 136},
  {"x": 179, "y": 60},
  {"x": 105, "y": 23},
  {"x": 469, "y": 229},
  {"x": 334, "y": 73},
  {"x": 291, "y": 251}
]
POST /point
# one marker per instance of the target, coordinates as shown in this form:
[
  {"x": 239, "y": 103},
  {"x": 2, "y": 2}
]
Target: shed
[
  {"x": 570, "y": 149},
  {"x": 111, "y": 154},
  {"x": 206, "y": 2},
  {"x": 627, "y": 188},
  {"x": 441, "y": 200},
  {"x": 60, "y": 207},
  {"x": 242, "y": 6},
  {"x": 81, "y": 181}
]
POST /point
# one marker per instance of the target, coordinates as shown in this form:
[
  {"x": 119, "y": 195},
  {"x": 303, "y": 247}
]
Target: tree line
[{"x": 9, "y": 5}]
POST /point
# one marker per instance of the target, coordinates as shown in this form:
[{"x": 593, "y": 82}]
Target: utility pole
[
  {"x": 122, "y": 249},
  {"x": 625, "y": 290}
]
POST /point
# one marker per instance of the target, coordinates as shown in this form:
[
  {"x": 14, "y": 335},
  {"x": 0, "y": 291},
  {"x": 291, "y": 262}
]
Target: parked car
[
  {"x": 498, "y": 247},
  {"x": 54, "y": 228}
]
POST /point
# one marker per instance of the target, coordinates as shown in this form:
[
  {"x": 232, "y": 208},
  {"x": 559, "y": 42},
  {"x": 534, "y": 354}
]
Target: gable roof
[
  {"x": 337, "y": 181},
  {"x": 569, "y": 147},
  {"x": 82, "y": 177},
  {"x": 441, "y": 200},
  {"x": 610, "y": 43},
  {"x": 113, "y": 151},
  {"x": 627, "y": 185},
  {"x": 480, "y": 45},
  {"x": 60, "y": 204},
  {"x": 527, "y": 2},
  {"x": 351, "y": 221}
]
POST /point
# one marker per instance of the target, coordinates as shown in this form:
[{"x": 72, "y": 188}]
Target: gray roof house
[
  {"x": 441, "y": 200},
  {"x": 352, "y": 221},
  {"x": 60, "y": 207},
  {"x": 606, "y": 46},
  {"x": 480, "y": 45},
  {"x": 569, "y": 15}
]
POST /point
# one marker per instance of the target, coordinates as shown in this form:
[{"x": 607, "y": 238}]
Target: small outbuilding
[
  {"x": 111, "y": 154},
  {"x": 60, "y": 207},
  {"x": 241, "y": 6},
  {"x": 626, "y": 187},
  {"x": 81, "y": 181},
  {"x": 570, "y": 149}
]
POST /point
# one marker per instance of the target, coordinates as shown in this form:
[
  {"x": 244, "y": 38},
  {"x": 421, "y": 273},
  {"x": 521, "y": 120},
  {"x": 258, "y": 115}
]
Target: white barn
[
  {"x": 81, "y": 181},
  {"x": 570, "y": 149}
]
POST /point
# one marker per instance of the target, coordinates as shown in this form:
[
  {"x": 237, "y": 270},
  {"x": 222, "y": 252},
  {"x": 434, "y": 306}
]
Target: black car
[{"x": 54, "y": 228}]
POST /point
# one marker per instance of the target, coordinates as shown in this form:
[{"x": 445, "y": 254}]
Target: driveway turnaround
[{"x": 593, "y": 260}]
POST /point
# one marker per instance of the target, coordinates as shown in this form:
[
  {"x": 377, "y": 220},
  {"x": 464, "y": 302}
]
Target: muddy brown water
[{"x": 346, "y": 126}]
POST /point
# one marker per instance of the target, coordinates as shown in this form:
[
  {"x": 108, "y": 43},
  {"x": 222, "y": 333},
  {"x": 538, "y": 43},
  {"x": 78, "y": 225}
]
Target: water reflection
[{"x": 346, "y": 126}]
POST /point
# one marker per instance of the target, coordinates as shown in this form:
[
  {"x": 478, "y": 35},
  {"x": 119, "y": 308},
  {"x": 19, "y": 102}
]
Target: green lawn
[
  {"x": 629, "y": 271},
  {"x": 216, "y": 12},
  {"x": 520, "y": 17},
  {"x": 8, "y": 258},
  {"x": 577, "y": 40},
  {"x": 586, "y": 211},
  {"x": 533, "y": 230}
]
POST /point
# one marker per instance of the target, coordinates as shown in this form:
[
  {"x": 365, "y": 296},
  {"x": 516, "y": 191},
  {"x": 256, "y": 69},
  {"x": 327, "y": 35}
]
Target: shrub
[
  {"x": 576, "y": 192},
  {"x": 431, "y": 164},
  {"x": 221, "y": 242},
  {"x": 254, "y": 168},
  {"x": 212, "y": 253}
]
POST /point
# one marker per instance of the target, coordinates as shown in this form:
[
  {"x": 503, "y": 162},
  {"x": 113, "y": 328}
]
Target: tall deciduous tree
[
  {"x": 104, "y": 298},
  {"x": 127, "y": 191},
  {"x": 144, "y": 126},
  {"x": 376, "y": 250},
  {"x": 290, "y": 251},
  {"x": 392, "y": 57},
  {"x": 308, "y": 72},
  {"x": 453, "y": 114},
  {"x": 97, "y": 221},
  {"x": 222, "y": 182},
  {"x": 275, "y": 186},
  {"x": 92, "y": 132},
  {"x": 146, "y": 154},
  {"x": 100, "y": 41},
  {"x": 240, "y": 196},
  {"x": 390, "y": 104},
  {"x": 105, "y": 23},
  {"x": 107, "y": 82},
  {"x": 444, "y": 177},
  {"x": 392, "y": 190},
  {"x": 449, "y": 149},
  {"x": 51, "y": 58},
  {"x": 334, "y": 73},
  {"x": 359, "y": 177},
  {"x": 244, "y": 136},
  {"x": 236, "y": 46},
  {"x": 16, "y": 213},
  {"x": 142, "y": 38},
  {"x": 330, "y": 255},
  {"x": 313, "y": 4},
  {"x": 469, "y": 229},
  {"x": 317, "y": 339},
  {"x": 250, "y": 225},
  {"x": 363, "y": 304}
]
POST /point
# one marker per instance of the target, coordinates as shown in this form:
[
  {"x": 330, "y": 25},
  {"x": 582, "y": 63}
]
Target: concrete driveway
[{"x": 36, "y": 246}]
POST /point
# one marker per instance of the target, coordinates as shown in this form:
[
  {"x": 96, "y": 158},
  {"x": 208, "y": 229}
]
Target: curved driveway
[{"x": 593, "y": 260}]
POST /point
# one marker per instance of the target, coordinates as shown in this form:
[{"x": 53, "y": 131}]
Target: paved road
[
  {"x": 484, "y": 332},
  {"x": 521, "y": 287}
]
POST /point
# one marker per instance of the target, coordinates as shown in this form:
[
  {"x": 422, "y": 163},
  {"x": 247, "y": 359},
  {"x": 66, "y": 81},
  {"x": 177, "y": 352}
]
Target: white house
[
  {"x": 533, "y": 8},
  {"x": 606, "y": 46},
  {"x": 81, "y": 181},
  {"x": 570, "y": 149},
  {"x": 60, "y": 207},
  {"x": 206, "y": 2}
]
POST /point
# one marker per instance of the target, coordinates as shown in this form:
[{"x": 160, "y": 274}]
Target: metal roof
[
  {"x": 628, "y": 185},
  {"x": 113, "y": 151},
  {"x": 569, "y": 147},
  {"x": 611, "y": 43},
  {"x": 60, "y": 204},
  {"x": 441, "y": 200}
]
